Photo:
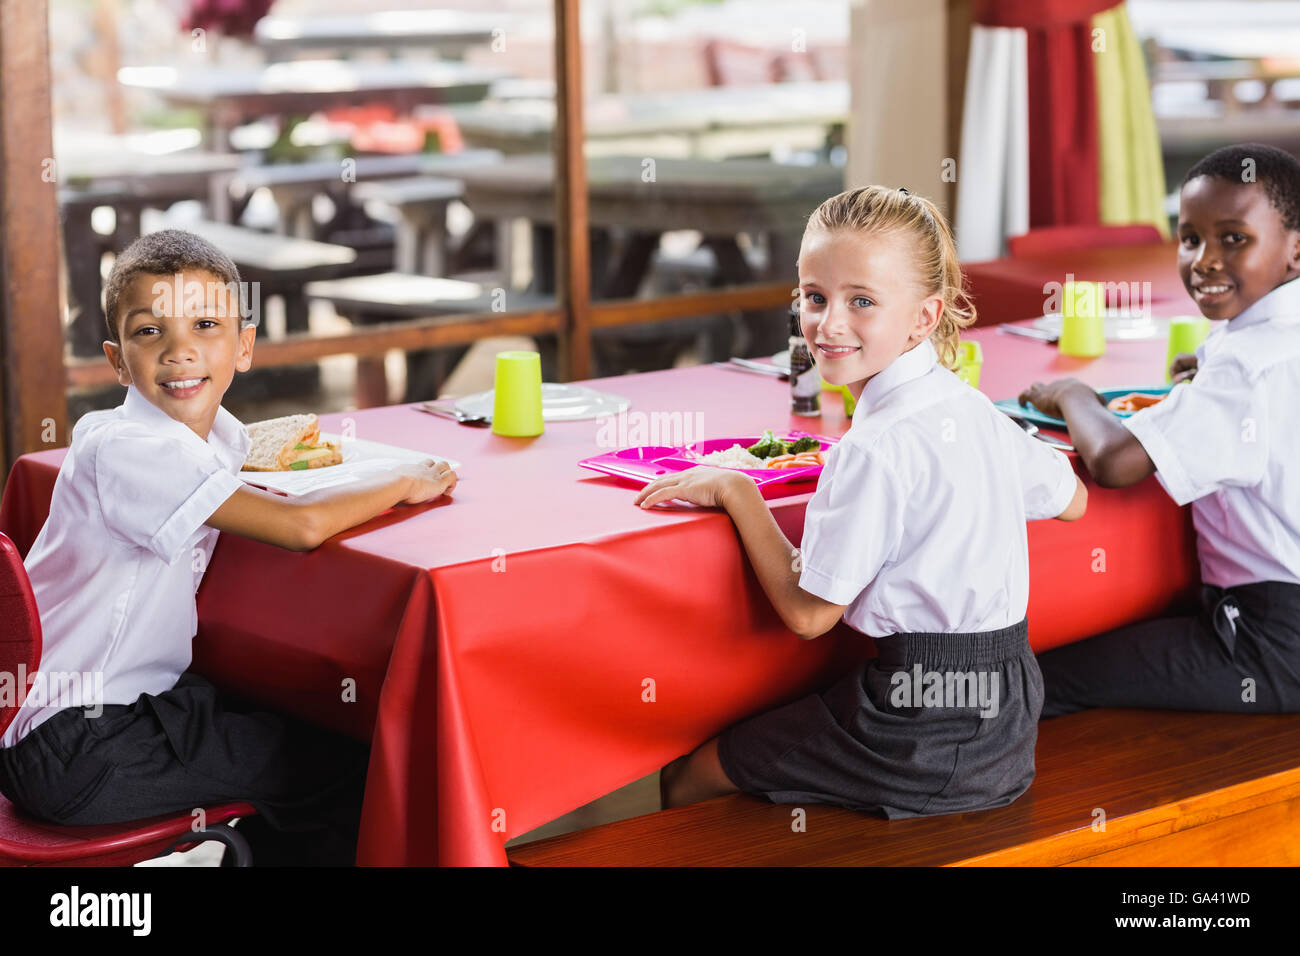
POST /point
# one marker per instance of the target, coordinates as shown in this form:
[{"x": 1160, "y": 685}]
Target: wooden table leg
[
  {"x": 406, "y": 253},
  {"x": 633, "y": 263},
  {"x": 82, "y": 249},
  {"x": 372, "y": 378},
  {"x": 434, "y": 252},
  {"x": 505, "y": 239}
]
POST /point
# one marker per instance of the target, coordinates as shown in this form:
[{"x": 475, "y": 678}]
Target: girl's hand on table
[
  {"x": 429, "y": 479},
  {"x": 1049, "y": 398},
  {"x": 1183, "y": 367},
  {"x": 702, "y": 485}
]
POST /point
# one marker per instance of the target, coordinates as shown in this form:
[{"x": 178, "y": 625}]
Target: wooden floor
[{"x": 1114, "y": 787}]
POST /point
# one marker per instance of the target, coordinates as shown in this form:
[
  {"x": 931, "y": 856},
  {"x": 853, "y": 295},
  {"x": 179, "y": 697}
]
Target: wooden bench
[
  {"x": 389, "y": 296},
  {"x": 1171, "y": 788}
]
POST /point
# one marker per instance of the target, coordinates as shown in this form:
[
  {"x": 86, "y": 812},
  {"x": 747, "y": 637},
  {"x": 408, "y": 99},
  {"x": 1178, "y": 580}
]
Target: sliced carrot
[
  {"x": 1134, "y": 401},
  {"x": 806, "y": 459}
]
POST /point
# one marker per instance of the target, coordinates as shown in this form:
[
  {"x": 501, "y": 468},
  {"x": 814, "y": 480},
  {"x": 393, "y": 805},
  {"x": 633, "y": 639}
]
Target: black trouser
[
  {"x": 188, "y": 748},
  {"x": 1241, "y": 653}
]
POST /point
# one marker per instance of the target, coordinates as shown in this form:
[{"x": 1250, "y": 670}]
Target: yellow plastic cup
[
  {"x": 1083, "y": 326},
  {"x": 1185, "y": 333},
  {"x": 517, "y": 398},
  {"x": 970, "y": 359}
]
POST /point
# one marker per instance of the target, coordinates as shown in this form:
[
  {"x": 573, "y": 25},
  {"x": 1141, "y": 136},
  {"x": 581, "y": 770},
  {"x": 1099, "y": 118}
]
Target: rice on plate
[{"x": 737, "y": 456}]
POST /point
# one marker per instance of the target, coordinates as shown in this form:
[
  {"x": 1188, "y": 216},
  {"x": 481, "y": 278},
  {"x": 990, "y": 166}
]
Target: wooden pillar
[
  {"x": 899, "y": 97},
  {"x": 33, "y": 405},
  {"x": 572, "y": 251},
  {"x": 960, "y": 17}
]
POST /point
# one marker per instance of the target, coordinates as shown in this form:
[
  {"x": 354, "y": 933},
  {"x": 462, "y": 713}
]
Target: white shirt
[
  {"x": 1226, "y": 443},
  {"x": 918, "y": 522},
  {"x": 117, "y": 564}
]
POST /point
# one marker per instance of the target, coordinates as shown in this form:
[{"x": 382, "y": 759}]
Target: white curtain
[{"x": 993, "y": 171}]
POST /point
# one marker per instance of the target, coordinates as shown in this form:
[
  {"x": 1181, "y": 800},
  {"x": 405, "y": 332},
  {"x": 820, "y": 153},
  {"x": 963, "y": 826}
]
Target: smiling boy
[
  {"x": 140, "y": 498},
  {"x": 1223, "y": 442}
]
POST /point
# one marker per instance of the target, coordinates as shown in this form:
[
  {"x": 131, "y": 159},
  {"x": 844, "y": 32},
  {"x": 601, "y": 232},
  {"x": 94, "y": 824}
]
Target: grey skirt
[{"x": 936, "y": 723}]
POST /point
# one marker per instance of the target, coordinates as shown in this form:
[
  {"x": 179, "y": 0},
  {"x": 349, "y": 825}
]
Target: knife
[
  {"x": 745, "y": 365},
  {"x": 1031, "y": 429},
  {"x": 1050, "y": 338}
]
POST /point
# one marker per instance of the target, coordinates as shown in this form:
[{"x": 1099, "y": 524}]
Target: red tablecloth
[
  {"x": 1012, "y": 288},
  {"x": 540, "y": 641}
]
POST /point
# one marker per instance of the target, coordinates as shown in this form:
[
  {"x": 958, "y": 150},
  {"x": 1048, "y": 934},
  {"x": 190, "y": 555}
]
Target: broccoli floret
[
  {"x": 769, "y": 446},
  {"x": 806, "y": 443}
]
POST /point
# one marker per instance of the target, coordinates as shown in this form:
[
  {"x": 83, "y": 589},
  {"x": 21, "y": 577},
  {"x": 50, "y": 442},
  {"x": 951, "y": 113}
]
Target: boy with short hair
[
  {"x": 1223, "y": 441},
  {"x": 135, "y": 513}
]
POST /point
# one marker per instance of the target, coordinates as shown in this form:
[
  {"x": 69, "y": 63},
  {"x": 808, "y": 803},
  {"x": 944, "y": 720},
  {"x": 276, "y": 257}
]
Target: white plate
[
  {"x": 782, "y": 360},
  {"x": 360, "y": 459},
  {"x": 1119, "y": 325},
  {"x": 560, "y": 403}
]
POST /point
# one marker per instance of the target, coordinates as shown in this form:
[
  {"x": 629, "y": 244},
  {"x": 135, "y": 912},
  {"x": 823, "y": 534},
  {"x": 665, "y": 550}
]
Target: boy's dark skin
[{"x": 1229, "y": 234}]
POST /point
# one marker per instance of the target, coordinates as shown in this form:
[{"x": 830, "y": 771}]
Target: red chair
[
  {"x": 1050, "y": 239},
  {"x": 25, "y": 841}
]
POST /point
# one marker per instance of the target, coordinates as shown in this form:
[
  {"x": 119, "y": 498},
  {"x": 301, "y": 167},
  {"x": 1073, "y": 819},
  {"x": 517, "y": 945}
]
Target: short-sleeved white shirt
[
  {"x": 918, "y": 522},
  {"x": 1226, "y": 442},
  {"x": 117, "y": 564}
]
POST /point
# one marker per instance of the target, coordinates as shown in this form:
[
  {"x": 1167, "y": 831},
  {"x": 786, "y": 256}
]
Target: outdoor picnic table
[
  {"x": 232, "y": 96},
  {"x": 294, "y": 186},
  {"x": 632, "y": 201},
  {"x": 711, "y": 123},
  {"x": 448, "y": 32},
  {"x": 538, "y": 641}
]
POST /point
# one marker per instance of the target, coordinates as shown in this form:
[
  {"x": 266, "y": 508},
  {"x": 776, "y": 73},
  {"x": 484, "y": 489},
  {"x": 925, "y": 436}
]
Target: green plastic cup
[
  {"x": 1083, "y": 326},
  {"x": 1185, "y": 333},
  {"x": 970, "y": 359},
  {"x": 850, "y": 403},
  {"x": 517, "y": 398}
]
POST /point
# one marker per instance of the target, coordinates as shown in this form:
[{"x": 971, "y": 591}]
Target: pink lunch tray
[{"x": 648, "y": 462}]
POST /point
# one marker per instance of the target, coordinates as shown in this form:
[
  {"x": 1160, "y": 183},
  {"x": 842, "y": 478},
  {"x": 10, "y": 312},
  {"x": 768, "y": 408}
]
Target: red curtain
[{"x": 1064, "y": 177}]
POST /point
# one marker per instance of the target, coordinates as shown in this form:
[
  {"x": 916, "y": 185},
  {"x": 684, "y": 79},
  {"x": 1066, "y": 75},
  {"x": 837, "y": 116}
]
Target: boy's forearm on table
[
  {"x": 332, "y": 510},
  {"x": 1102, "y": 441}
]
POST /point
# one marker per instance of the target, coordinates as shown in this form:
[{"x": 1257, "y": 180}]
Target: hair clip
[{"x": 904, "y": 190}]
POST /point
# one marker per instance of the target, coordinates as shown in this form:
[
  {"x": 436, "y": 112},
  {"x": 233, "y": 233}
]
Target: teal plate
[{"x": 1031, "y": 414}]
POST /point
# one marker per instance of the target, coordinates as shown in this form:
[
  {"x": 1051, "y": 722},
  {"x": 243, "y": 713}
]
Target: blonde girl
[{"x": 916, "y": 537}]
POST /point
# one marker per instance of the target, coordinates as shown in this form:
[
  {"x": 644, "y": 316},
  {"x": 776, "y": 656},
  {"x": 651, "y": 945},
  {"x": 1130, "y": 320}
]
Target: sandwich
[{"x": 290, "y": 443}]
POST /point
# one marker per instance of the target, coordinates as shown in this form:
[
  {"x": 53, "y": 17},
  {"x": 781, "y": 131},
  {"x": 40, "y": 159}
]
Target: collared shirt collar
[
  {"x": 910, "y": 365},
  {"x": 1284, "y": 300},
  {"x": 228, "y": 439}
]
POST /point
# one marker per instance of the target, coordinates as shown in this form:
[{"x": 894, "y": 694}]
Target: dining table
[
  {"x": 536, "y": 641},
  {"x": 230, "y": 96},
  {"x": 717, "y": 122},
  {"x": 449, "y": 33}
]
